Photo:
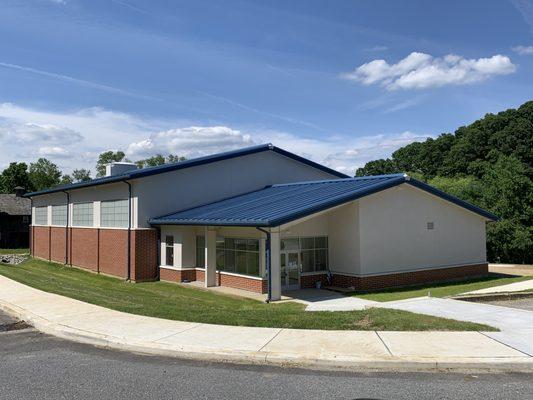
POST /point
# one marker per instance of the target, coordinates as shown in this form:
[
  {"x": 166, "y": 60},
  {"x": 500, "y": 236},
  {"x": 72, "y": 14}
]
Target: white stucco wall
[
  {"x": 394, "y": 236},
  {"x": 173, "y": 191},
  {"x": 165, "y": 193}
]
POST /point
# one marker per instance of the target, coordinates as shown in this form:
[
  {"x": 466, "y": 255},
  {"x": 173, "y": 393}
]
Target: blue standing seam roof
[
  {"x": 140, "y": 173},
  {"x": 279, "y": 204}
]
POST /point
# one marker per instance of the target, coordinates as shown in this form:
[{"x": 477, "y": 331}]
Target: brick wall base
[
  {"x": 309, "y": 281},
  {"x": 234, "y": 281},
  {"x": 99, "y": 250},
  {"x": 369, "y": 283}
]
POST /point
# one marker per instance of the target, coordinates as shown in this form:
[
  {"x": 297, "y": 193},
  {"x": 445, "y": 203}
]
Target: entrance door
[{"x": 290, "y": 270}]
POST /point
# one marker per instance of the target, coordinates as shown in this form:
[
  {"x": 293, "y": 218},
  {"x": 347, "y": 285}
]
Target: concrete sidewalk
[
  {"x": 348, "y": 350},
  {"x": 516, "y": 325},
  {"x": 509, "y": 288}
]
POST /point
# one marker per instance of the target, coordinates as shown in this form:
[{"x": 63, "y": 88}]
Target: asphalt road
[{"x": 37, "y": 366}]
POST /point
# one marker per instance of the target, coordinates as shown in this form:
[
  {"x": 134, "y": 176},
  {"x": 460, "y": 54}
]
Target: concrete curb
[
  {"x": 493, "y": 296},
  {"x": 350, "y": 364}
]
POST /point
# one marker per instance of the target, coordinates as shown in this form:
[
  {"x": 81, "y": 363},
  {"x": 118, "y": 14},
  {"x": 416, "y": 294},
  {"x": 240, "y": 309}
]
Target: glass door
[{"x": 290, "y": 270}]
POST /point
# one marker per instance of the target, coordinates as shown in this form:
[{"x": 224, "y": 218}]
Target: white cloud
[
  {"x": 376, "y": 48},
  {"x": 193, "y": 141},
  {"x": 523, "y": 50},
  {"x": 421, "y": 71},
  {"x": 54, "y": 151},
  {"x": 73, "y": 139}
]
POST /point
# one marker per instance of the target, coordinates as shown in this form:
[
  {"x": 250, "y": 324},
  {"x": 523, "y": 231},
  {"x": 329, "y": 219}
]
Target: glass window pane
[
  {"x": 59, "y": 215},
  {"x": 230, "y": 243},
  {"x": 220, "y": 242},
  {"x": 240, "y": 262},
  {"x": 82, "y": 214},
  {"x": 289, "y": 244},
  {"x": 41, "y": 215},
  {"x": 307, "y": 243},
  {"x": 200, "y": 251},
  {"x": 229, "y": 261},
  {"x": 114, "y": 213},
  {"x": 321, "y": 242},
  {"x": 253, "y": 263},
  {"x": 321, "y": 260},
  {"x": 170, "y": 255},
  {"x": 220, "y": 260},
  {"x": 308, "y": 260},
  {"x": 240, "y": 244},
  {"x": 253, "y": 245},
  {"x": 169, "y": 240}
]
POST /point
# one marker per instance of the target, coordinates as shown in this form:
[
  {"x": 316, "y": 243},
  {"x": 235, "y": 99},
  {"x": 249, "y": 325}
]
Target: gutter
[
  {"x": 128, "y": 277},
  {"x": 268, "y": 263},
  {"x": 66, "y": 227}
]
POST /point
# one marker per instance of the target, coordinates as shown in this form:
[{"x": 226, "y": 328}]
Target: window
[
  {"x": 114, "y": 213},
  {"x": 200, "y": 251},
  {"x": 41, "y": 215},
  {"x": 238, "y": 255},
  {"x": 59, "y": 215},
  {"x": 313, "y": 251},
  {"x": 82, "y": 214},
  {"x": 169, "y": 250}
]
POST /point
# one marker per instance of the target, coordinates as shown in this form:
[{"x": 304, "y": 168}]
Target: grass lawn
[
  {"x": 443, "y": 289},
  {"x": 14, "y": 251},
  {"x": 171, "y": 301}
]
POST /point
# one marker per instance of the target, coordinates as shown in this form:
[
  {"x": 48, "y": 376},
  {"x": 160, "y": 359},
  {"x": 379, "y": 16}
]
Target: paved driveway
[{"x": 516, "y": 325}]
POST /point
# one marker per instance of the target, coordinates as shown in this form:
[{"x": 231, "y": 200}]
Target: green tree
[
  {"x": 44, "y": 174},
  {"x": 108, "y": 157},
  {"x": 153, "y": 161},
  {"x": 16, "y": 174},
  {"x": 377, "y": 167},
  {"x": 66, "y": 180},
  {"x": 172, "y": 158},
  {"x": 159, "y": 159},
  {"x": 81, "y": 175}
]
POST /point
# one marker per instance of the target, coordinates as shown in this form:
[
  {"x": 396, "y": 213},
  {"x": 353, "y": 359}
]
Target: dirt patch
[{"x": 14, "y": 326}]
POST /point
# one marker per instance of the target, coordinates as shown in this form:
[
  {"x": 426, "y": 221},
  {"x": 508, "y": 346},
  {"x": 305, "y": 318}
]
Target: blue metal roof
[
  {"x": 140, "y": 173},
  {"x": 278, "y": 204}
]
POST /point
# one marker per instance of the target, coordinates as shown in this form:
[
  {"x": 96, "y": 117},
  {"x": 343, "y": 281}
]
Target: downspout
[
  {"x": 268, "y": 263},
  {"x": 32, "y": 227},
  {"x": 128, "y": 278},
  {"x": 158, "y": 262},
  {"x": 66, "y": 227}
]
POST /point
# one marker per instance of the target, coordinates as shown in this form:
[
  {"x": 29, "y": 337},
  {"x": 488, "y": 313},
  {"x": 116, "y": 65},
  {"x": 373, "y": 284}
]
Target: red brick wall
[
  {"x": 41, "y": 241},
  {"x": 144, "y": 255},
  {"x": 238, "y": 282},
  {"x": 309, "y": 281},
  {"x": 58, "y": 244},
  {"x": 410, "y": 278},
  {"x": 83, "y": 245},
  {"x": 113, "y": 252},
  {"x": 174, "y": 275}
]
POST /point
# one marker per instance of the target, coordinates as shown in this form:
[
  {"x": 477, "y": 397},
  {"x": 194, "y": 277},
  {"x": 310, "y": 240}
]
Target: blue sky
[{"x": 341, "y": 82}]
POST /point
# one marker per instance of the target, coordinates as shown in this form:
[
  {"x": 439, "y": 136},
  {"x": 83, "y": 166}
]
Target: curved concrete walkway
[{"x": 350, "y": 350}]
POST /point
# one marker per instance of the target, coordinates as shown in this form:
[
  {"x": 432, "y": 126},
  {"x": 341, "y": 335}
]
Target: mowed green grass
[
  {"x": 14, "y": 251},
  {"x": 171, "y": 301},
  {"x": 443, "y": 289}
]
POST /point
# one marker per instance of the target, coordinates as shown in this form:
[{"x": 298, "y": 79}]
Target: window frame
[
  {"x": 237, "y": 249},
  {"x": 74, "y": 206},
  {"x": 63, "y": 215},
  {"x": 171, "y": 247},
  {"x": 37, "y": 215},
  {"x": 124, "y": 217}
]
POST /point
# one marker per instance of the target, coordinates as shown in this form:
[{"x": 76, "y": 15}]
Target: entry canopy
[{"x": 279, "y": 204}]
